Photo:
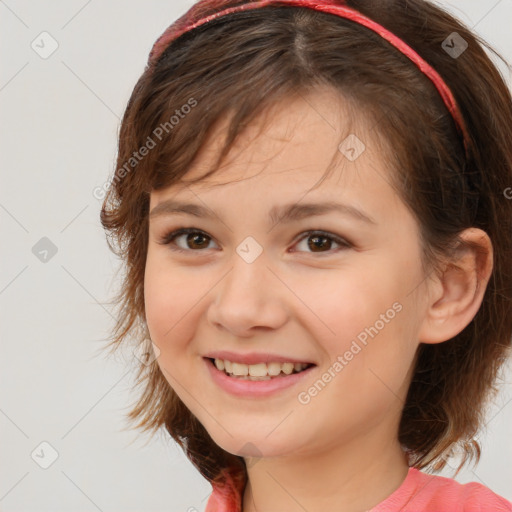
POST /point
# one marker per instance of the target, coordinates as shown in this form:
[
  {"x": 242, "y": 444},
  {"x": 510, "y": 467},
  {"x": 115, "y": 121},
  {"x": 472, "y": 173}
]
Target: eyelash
[{"x": 168, "y": 239}]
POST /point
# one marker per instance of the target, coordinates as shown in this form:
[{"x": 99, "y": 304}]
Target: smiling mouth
[{"x": 260, "y": 371}]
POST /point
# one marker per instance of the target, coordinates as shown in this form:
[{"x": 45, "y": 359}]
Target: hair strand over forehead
[{"x": 241, "y": 66}]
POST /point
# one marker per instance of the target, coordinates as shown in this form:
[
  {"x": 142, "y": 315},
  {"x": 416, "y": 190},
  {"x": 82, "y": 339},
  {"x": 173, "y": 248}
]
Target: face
[{"x": 347, "y": 299}]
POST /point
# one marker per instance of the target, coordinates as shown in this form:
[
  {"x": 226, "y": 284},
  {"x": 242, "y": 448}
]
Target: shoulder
[{"x": 450, "y": 495}]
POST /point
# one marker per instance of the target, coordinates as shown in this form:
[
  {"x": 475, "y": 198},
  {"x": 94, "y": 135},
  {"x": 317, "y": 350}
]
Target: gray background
[{"x": 60, "y": 117}]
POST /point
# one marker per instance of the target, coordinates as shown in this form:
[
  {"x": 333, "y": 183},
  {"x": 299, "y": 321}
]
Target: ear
[{"x": 456, "y": 296}]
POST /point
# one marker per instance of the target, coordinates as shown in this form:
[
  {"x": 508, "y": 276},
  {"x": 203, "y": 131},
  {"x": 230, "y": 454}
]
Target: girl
[{"x": 298, "y": 375}]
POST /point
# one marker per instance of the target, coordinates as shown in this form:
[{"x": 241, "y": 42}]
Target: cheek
[
  {"x": 166, "y": 300},
  {"x": 343, "y": 302},
  {"x": 367, "y": 370},
  {"x": 365, "y": 318}
]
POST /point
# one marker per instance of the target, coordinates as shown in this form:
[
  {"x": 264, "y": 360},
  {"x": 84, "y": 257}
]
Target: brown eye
[
  {"x": 320, "y": 242},
  {"x": 194, "y": 239},
  {"x": 197, "y": 241}
]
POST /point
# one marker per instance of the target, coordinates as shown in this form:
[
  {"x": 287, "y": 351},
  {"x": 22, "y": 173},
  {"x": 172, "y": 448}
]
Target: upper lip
[{"x": 254, "y": 357}]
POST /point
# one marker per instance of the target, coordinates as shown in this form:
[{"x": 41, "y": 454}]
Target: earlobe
[{"x": 460, "y": 290}]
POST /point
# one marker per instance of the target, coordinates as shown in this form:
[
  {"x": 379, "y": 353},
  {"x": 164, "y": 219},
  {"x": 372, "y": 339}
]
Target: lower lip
[{"x": 254, "y": 388}]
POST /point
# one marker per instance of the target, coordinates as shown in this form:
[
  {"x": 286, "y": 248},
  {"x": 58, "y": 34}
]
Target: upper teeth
[{"x": 260, "y": 369}]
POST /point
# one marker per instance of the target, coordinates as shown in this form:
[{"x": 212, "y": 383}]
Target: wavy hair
[{"x": 240, "y": 66}]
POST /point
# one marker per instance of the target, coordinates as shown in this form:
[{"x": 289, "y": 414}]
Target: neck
[{"x": 348, "y": 477}]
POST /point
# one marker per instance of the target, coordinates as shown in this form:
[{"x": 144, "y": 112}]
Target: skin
[{"x": 339, "y": 451}]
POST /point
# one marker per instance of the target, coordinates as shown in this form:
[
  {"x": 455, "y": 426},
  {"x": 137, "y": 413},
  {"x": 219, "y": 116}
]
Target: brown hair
[{"x": 241, "y": 65}]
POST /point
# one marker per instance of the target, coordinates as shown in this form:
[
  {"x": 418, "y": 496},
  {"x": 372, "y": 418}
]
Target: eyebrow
[{"x": 283, "y": 214}]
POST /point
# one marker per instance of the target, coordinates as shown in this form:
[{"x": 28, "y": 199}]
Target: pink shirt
[{"x": 419, "y": 492}]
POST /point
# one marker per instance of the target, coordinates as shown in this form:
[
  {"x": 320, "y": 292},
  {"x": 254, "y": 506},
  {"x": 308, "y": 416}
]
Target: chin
[{"x": 243, "y": 444}]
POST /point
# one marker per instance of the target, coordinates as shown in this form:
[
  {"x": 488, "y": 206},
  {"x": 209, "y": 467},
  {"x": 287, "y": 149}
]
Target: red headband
[{"x": 198, "y": 15}]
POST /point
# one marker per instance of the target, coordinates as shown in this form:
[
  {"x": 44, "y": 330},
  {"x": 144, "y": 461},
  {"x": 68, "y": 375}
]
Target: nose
[{"x": 249, "y": 297}]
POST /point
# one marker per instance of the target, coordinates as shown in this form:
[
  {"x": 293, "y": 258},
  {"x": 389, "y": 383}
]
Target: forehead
[{"x": 286, "y": 152}]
